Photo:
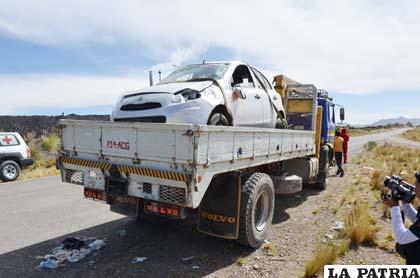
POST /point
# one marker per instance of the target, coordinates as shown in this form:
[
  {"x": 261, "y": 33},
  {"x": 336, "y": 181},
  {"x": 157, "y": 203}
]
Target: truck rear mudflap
[
  {"x": 219, "y": 209},
  {"x": 128, "y": 180}
]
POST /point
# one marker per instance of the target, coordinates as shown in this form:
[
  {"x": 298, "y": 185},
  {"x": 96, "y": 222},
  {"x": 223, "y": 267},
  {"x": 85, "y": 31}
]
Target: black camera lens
[{"x": 417, "y": 175}]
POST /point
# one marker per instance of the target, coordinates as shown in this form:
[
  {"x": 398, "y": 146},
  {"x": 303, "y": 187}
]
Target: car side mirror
[
  {"x": 238, "y": 92},
  {"x": 342, "y": 114}
]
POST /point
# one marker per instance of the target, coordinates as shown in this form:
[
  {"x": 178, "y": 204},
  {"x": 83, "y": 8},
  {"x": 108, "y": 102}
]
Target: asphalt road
[
  {"x": 391, "y": 137},
  {"x": 36, "y": 215}
]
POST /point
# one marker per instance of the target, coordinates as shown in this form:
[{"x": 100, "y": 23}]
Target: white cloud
[
  {"x": 356, "y": 47},
  {"x": 344, "y": 46},
  {"x": 178, "y": 57},
  {"x": 64, "y": 91}
]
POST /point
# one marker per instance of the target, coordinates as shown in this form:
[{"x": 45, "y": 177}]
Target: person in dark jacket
[
  {"x": 408, "y": 240},
  {"x": 346, "y": 139}
]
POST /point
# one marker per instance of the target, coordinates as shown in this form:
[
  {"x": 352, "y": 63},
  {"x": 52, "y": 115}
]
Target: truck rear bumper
[{"x": 146, "y": 183}]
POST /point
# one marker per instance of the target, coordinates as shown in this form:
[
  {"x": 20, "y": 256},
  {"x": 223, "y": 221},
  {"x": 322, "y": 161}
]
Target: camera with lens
[{"x": 400, "y": 189}]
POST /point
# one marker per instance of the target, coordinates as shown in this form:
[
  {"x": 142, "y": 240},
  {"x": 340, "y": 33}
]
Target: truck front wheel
[
  {"x": 324, "y": 164},
  {"x": 257, "y": 209}
]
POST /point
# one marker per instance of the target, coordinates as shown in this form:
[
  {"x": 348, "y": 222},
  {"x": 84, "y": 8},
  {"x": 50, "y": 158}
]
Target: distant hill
[
  {"x": 41, "y": 125},
  {"x": 399, "y": 120}
]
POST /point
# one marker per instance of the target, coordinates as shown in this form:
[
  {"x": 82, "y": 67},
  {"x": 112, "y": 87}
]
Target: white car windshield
[{"x": 196, "y": 72}]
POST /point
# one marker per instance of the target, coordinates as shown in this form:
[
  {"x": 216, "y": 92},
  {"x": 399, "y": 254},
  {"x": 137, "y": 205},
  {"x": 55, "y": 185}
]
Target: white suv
[{"x": 14, "y": 155}]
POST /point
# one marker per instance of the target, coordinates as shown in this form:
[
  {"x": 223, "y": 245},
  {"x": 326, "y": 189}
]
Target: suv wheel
[{"x": 9, "y": 171}]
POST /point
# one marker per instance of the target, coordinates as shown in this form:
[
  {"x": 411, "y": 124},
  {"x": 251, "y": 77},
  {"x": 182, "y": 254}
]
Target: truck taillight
[{"x": 28, "y": 152}]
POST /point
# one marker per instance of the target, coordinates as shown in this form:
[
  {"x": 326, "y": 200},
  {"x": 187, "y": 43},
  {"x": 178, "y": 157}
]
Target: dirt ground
[{"x": 301, "y": 222}]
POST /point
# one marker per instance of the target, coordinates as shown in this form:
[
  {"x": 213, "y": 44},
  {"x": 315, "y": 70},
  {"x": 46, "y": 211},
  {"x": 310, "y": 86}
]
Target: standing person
[
  {"x": 346, "y": 138},
  {"x": 408, "y": 240},
  {"x": 338, "y": 150}
]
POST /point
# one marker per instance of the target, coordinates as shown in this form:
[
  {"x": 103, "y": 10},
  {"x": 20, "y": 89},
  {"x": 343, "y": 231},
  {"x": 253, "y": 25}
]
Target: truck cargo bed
[{"x": 172, "y": 163}]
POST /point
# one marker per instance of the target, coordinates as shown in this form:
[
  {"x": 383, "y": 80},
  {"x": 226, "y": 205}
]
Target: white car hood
[{"x": 171, "y": 88}]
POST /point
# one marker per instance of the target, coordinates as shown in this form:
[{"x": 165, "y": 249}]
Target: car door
[
  {"x": 246, "y": 109},
  {"x": 266, "y": 92}
]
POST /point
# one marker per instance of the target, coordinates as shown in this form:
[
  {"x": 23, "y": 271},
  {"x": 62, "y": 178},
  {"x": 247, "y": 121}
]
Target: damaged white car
[{"x": 219, "y": 93}]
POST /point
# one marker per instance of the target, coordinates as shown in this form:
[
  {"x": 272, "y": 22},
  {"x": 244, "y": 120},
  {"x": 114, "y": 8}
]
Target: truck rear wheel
[
  {"x": 257, "y": 209},
  {"x": 9, "y": 171}
]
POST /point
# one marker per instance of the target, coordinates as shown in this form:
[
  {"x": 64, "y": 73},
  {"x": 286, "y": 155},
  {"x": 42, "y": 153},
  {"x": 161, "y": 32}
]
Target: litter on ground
[
  {"x": 71, "y": 250},
  {"x": 338, "y": 225},
  {"x": 97, "y": 244},
  {"x": 138, "y": 260},
  {"x": 49, "y": 264},
  {"x": 187, "y": 259},
  {"x": 122, "y": 233}
]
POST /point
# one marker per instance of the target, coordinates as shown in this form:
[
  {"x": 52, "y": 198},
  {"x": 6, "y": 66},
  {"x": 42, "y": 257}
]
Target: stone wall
[{"x": 41, "y": 125}]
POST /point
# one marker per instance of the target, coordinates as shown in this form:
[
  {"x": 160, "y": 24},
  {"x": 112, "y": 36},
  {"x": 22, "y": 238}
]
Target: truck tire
[
  {"x": 257, "y": 209},
  {"x": 9, "y": 171},
  {"x": 324, "y": 164},
  {"x": 287, "y": 184},
  {"x": 218, "y": 119}
]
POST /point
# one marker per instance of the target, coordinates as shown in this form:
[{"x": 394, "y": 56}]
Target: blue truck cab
[
  {"x": 329, "y": 123},
  {"x": 300, "y": 101}
]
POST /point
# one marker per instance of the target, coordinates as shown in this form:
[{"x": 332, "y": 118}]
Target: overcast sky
[{"x": 78, "y": 56}]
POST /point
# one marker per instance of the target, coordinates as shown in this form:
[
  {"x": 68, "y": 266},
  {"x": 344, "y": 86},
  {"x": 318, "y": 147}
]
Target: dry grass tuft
[
  {"x": 240, "y": 261},
  {"x": 360, "y": 227},
  {"x": 270, "y": 248},
  {"x": 39, "y": 172},
  {"x": 353, "y": 132},
  {"x": 369, "y": 146},
  {"x": 50, "y": 143},
  {"x": 413, "y": 134},
  {"x": 377, "y": 181},
  {"x": 324, "y": 255}
]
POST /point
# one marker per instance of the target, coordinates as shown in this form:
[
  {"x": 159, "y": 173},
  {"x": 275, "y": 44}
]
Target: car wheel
[
  {"x": 281, "y": 123},
  {"x": 218, "y": 119},
  {"x": 9, "y": 171}
]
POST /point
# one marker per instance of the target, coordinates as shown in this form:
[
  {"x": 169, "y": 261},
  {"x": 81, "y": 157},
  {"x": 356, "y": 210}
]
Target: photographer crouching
[{"x": 408, "y": 240}]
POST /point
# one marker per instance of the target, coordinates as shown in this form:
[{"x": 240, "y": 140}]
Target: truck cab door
[{"x": 247, "y": 106}]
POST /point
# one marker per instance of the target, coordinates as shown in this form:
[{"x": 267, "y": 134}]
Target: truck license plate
[
  {"x": 161, "y": 209},
  {"x": 94, "y": 195}
]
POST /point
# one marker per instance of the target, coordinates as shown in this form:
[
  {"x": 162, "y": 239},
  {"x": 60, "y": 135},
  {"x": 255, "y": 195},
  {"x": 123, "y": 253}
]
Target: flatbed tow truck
[{"x": 226, "y": 175}]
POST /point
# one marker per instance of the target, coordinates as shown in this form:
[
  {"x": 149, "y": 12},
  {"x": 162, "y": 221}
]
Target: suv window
[
  {"x": 8, "y": 140},
  {"x": 262, "y": 78}
]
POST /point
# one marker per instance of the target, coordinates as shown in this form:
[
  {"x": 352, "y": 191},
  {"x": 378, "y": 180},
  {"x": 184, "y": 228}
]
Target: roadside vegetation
[
  {"x": 360, "y": 208},
  {"x": 43, "y": 151},
  {"x": 412, "y": 134},
  {"x": 353, "y": 132}
]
